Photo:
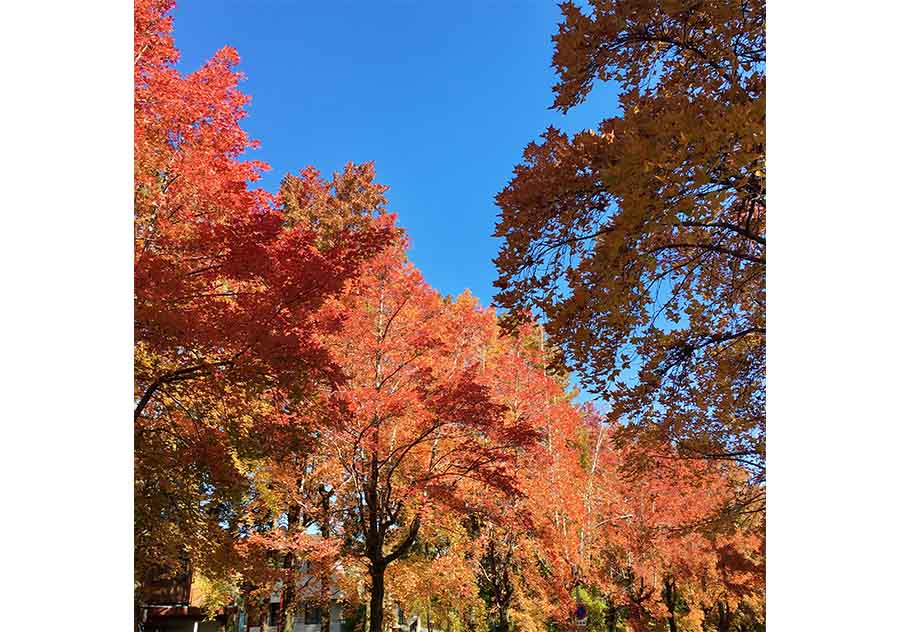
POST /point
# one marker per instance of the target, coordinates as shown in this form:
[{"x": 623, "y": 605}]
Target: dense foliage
[
  {"x": 313, "y": 420},
  {"x": 642, "y": 242}
]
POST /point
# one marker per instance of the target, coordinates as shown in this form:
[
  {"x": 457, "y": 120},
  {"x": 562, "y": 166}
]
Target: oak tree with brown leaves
[{"x": 642, "y": 242}]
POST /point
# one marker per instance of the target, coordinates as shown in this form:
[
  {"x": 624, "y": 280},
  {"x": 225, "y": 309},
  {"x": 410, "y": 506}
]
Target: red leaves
[
  {"x": 228, "y": 285},
  {"x": 218, "y": 271},
  {"x": 294, "y": 370}
]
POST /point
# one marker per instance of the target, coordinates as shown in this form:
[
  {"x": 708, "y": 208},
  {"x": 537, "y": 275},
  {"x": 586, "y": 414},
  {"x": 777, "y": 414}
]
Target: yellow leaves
[
  {"x": 144, "y": 359},
  {"x": 211, "y": 595},
  {"x": 692, "y": 620}
]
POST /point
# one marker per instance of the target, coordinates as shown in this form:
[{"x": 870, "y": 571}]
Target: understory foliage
[{"x": 313, "y": 420}]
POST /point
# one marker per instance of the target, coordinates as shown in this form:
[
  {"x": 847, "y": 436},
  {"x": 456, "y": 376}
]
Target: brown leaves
[
  {"x": 642, "y": 245},
  {"x": 647, "y": 239}
]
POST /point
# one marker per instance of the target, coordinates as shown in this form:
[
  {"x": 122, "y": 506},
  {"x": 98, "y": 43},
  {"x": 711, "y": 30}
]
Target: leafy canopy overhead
[{"x": 642, "y": 242}]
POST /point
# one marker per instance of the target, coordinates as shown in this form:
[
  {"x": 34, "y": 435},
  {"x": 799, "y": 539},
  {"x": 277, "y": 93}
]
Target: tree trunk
[
  {"x": 503, "y": 623},
  {"x": 376, "y": 602},
  {"x": 326, "y": 612},
  {"x": 325, "y": 574},
  {"x": 611, "y": 616},
  {"x": 725, "y": 617},
  {"x": 288, "y": 607},
  {"x": 286, "y": 616},
  {"x": 670, "y": 597},
  {"x": 137, "y": 616}
]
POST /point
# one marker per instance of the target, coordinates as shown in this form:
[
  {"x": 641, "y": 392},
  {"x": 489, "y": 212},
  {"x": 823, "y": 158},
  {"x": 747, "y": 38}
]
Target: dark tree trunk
[
  {"x": 380, "y": 516},
  {"x": 326, "y": 609},
  {"x": 670, "y": 597},
  {"x": 287, "y": 592},
  {"x": 496, "y": 582},
  {"x": 325, "y": 575},
  {"x": 287, "y": 606},
  {"x": 375, "y": 550},
  {"x": 376, "y": 602},
  {"x": 611, "y": 617},
  {"x": 503, "y": 624},
  {"x": 725, "y": 617}
]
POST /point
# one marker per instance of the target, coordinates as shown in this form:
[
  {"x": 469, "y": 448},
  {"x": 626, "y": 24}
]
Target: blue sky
[{"x": 443, "y": 96}]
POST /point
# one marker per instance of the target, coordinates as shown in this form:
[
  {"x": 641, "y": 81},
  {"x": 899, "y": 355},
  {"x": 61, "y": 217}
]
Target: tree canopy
[
  {"x": 642, "y": 242},
  {"x": 312, "y": 420}
]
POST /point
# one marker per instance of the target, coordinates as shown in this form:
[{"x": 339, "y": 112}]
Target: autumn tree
[
  {"x": 666, "y": 550},
  {"x": 437, "y": 580},
  {"x": 485, "y": 542},
  {"x": 660, "y": 545},
  {"x": 642, "y": 242},
  {"x": 227, "y": 284},
  {"x": 416, "y": 421},
  {"x": 522, "y": 542}
]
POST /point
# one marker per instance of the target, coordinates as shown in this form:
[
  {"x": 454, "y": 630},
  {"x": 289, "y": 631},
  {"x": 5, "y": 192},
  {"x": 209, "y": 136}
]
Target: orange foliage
[{"x": 227, "y": 286}]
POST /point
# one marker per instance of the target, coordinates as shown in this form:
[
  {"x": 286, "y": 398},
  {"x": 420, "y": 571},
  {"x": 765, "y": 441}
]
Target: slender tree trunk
[
  {"x": 137, "y": 616},
  {"x": 288, "y": 607},
  {"x": 503, "y": 623},
  {"x": 725, "y": 617},
  {"x": 376, "y": 602},
  {"x": 670, "y": 596},
  {"x": 325, "y": 575},
  {"x": 611, "y": 616},
  {"x": 325, "y": 599}
]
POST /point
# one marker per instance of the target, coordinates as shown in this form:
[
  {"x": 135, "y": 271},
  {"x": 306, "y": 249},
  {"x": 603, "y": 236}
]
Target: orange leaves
[
  {"x": 647, "y": 237},
  {"x": 221, "y": 273},
  {"x": 414, "y": 392},
  {"x": 229, "y": 284},
  {"x": 418, "y": 430},
  {"x": 338, "y": 211}
]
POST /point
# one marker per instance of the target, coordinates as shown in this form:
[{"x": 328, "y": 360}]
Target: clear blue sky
[{"x": 443, "y": 96}]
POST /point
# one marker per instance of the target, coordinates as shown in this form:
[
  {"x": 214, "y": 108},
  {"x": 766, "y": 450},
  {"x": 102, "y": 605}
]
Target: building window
[
  {"x": 273, "y": 614},
  {"x": 312, "y": 615}
]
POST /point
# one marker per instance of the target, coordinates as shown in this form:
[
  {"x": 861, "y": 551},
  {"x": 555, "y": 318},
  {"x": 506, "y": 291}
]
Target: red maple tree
[{"x": 228, "y": 281}]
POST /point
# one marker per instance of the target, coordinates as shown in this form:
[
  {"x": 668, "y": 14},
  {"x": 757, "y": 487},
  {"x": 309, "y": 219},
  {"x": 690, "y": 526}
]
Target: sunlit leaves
[
  {"x": 227, "y": 286},
  {"x": 646, "y": 237}
]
